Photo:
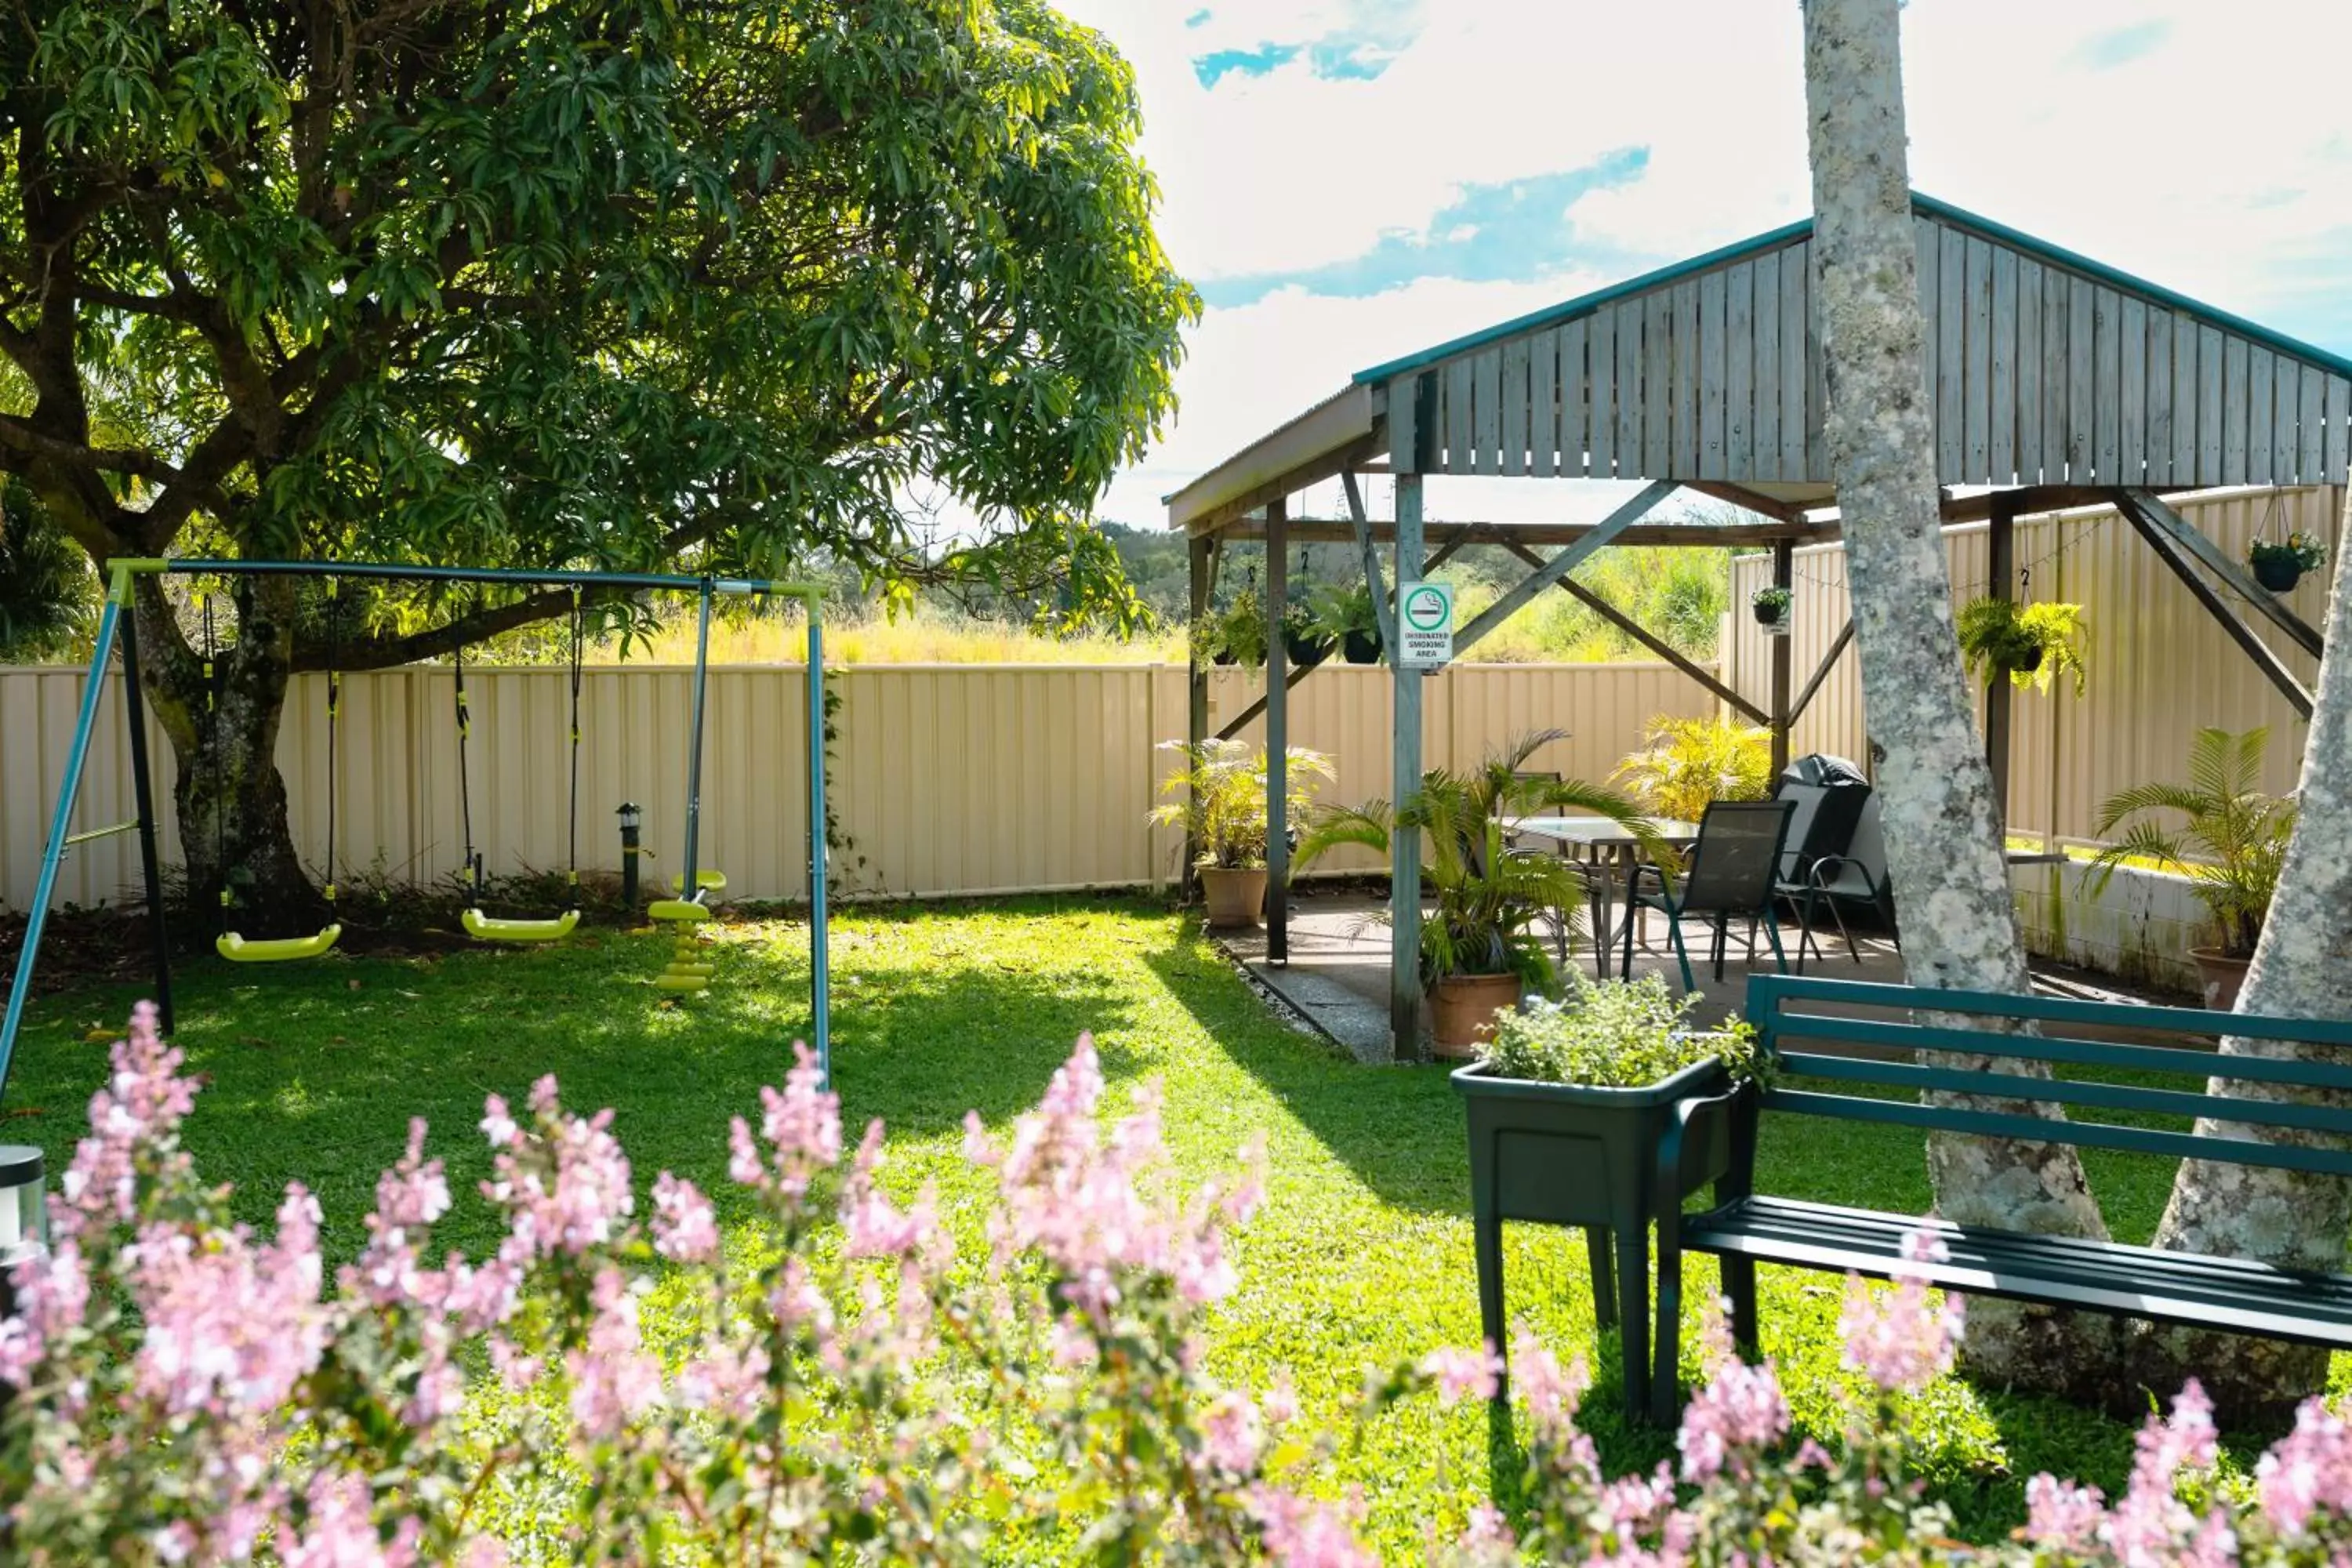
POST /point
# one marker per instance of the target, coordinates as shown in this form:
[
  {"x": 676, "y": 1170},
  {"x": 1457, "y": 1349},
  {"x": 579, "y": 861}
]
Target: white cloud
[{"x": 2217, "y": 161}]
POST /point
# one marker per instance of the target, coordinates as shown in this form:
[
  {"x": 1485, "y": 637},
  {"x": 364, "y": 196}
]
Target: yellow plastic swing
[
  {"x": 486, "y": 928},
  {"x": 490, "y": 927},
  {"x": 280, "y": 950},
  {"x": 237, "y": 949}
]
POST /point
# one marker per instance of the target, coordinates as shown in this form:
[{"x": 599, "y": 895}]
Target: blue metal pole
[
  {"x": 819, "y": 980},
  {"x": 690, "y": 886},
  {"x": 61, "y": 823}
]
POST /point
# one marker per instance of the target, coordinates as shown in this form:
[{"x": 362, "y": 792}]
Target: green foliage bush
[
  {"x": 1615, "y": 1034},
  {"x": 1689, "y": 763}
]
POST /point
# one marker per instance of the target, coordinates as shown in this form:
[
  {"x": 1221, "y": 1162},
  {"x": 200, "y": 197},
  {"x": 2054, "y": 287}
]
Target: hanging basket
[{"x": 2279, "y": 573}]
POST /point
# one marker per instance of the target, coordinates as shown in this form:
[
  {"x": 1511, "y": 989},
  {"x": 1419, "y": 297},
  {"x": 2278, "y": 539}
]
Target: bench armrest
[{"x": 1696, "y": 1148}]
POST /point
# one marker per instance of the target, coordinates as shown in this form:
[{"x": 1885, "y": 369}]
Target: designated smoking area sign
[{"x": 1425, "y": 625}]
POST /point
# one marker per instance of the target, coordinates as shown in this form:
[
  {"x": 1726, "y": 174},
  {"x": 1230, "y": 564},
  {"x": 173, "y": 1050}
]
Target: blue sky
[{"x": 1349, "y": 180}]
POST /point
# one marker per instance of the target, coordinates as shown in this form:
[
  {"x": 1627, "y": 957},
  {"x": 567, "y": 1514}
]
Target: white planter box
[{"x": 2141, "y": 927}]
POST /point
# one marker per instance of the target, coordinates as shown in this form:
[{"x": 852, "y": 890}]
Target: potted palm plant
[
  {"x": 2279, "y": 567},
  {"x": 1480, "y": 949},
  {"x": 1346, "y": 615},
  {"x": 1220, "y": 805},
  {"x": 2031, "y": 644},
  {"x": 2230, "y": 842}
]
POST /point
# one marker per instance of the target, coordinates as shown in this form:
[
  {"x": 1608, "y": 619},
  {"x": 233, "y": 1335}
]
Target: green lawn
[{"x": 1363, "y": 1254}]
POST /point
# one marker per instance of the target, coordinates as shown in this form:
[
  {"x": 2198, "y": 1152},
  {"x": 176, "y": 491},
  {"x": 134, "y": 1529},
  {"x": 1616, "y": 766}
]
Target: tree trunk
[
  {"x": 1944, "y": 832},
  {"x": 2302, "y": 969},
  {"x": 233, "y": 830}
]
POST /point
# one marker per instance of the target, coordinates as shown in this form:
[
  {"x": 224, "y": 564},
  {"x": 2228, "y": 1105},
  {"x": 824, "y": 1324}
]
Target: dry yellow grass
[{"x": 919, "y": 638}]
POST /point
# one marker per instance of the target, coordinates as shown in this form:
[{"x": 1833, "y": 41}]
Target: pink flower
[
  {"x": 802, "y": 1124},
  {"x": 1902, "y": 1340},
  {"x": 1487, "y": 1537},
  {"x": 230, "y": 1329},
  {"x": 1232, "y": 1435},
  {"x": 871, "y": 1225},
  {"x": 2307, "y": 1471},
  {"x": 569, "y": 1194},
  {"x": 497, "y": 1125},
  {"x": 1462, "y": 1374},
  {"x": 2151, "y": 1524},
  {"x": 1551, "y": 1393},
  {"x": 686, "y": 1228},
  {"x": 1736, "y": 1413},
  {"x": 1303, "y": 1534},
  {"x": 612, "y": 1379},
  {"x": 142, "y": 1107},
  {"x": 2062, "y": 1516},
  {"x": 339, "y": 1530}
]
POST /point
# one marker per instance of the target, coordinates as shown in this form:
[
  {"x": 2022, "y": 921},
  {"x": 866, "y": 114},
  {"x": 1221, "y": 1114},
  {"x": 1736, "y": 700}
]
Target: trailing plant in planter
[
  {"x": 1480, "y": 949},
  {"x": 1346, "y": 615},
  {"x": 2031, "y": 644},
  {"x": 1218, "y": 798},
  {"x": 1235, "y": 635},
  {"x": 2279, "y": 565},
  {"x": 1688, "y": 763},
  {"x": 2230, "y": 841},
  {"x": 1567, "y": 1114},
  {"x": 1771, "y": 602},
  {"x": 1304, "y": 643}
]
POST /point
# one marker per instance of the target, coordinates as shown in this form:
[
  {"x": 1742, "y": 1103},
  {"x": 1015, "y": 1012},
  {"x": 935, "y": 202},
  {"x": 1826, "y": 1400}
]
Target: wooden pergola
[{"x": 2053, "y": 381}]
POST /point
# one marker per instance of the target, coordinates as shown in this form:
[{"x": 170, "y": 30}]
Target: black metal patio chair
[
  {"x": 1857, "y": 877},
  {"x": 1731, "y": 871}
]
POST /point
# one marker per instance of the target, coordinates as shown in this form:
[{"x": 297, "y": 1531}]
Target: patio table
[{"x": 1610, "y": 852}]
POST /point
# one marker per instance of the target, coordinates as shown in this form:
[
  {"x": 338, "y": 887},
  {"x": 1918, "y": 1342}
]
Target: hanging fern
[{"x": 2031, "y": 644}]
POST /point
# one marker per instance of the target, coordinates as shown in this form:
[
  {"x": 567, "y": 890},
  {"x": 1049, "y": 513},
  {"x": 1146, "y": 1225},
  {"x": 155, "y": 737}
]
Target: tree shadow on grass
[
  {"x": 312, "y": 1072},
  {"x": 1399, "y": 1130}
]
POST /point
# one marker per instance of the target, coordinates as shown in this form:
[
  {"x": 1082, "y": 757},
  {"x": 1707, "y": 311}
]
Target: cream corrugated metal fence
[
  {"x": 948, "y": 779},
  {"x": 2157, "y": 667}
]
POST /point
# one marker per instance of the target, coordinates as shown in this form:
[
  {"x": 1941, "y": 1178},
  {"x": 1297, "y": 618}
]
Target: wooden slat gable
[{"x": 2035, "y": 373}]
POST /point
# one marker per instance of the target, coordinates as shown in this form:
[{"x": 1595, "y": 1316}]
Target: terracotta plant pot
[
  {"x": 1235, "y": 894},
  {"x": 1462, "y": 1011},
  {"x": 2222, "y": 975},
  {"x": 2279, "y": 573}
]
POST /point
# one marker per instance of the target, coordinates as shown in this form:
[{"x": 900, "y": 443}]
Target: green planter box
[{"x": 1568, "y": 1155}]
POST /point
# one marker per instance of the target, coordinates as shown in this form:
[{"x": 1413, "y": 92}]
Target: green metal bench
[{"x": 1715, "y": 1138}]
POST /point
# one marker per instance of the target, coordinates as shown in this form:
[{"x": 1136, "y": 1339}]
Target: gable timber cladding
[{"x": 2041, "y": 367}]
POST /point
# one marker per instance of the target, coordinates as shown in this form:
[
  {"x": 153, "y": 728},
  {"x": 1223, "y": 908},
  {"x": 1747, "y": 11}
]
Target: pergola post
[
  {"x": 1277, "y": 736},
  {"x": 2001, "y": 576},
  {"x": 1404, "y": 845},
  {"x": 1784, "y": 574},
  {"x": 1196, "y": 689}
]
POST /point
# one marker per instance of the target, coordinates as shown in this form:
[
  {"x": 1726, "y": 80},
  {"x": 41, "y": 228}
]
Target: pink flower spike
[
  {"x": 686, "y": 1228},
  {"x": 1462, "y": 1374},
  {"x": 2062, "y": 1516},
  {"x": 497, "y": 1125}
]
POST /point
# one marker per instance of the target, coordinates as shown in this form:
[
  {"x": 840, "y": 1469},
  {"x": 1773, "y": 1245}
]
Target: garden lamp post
[
  {"x": 24, "y": 1213},
  {"x": 631, "y": 819}
]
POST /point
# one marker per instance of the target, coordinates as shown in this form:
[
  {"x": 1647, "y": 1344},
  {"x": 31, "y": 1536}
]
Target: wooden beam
[
  {"x": 1741, "y": 496},
  {"x": 1383, "y": 613},
  {"x": 2002, "y": 575},
  {"x": 1292, "y": 481},
  {"x": 1405, "y": 847},
  {"x": 1648, "y": 639},
  {"x": 1199, "y": 551},
  {"x": 2162, "y": 541},
  {"x": 1277, "y": 737},
  {"x": 1240, "y": 721},
  {"x": 2184, "y": 534},
  {"x": 1442, "y": 553},
  {"x": 1560, "y": 565},
  {"x": 1784, "y": 567},
  {"x": 1696, "y": 535},
  {"x": 1822, "y": 672}
]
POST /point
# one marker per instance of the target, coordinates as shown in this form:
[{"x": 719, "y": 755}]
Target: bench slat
[
  {"x": 2063, "y": 1091},
  {"x": 2220, "y": 1293},
  {"x": 2063, "y": 1048},
  {"x": 2049, "y": 1130},
  {"x": 1767, "y": 992}
]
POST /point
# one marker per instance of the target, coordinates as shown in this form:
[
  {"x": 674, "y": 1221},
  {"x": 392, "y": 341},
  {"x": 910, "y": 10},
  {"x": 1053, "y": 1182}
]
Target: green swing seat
[
  {"x": 484, "y": 928},
  {"x": 237, "y": 949}
]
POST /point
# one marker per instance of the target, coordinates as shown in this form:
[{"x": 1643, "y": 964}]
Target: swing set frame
[{"x": 115, "y": 626}]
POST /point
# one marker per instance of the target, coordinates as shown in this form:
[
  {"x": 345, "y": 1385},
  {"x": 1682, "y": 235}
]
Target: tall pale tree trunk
[
  {"x": 1944, "y": 833},
  {"x": 2303, "y": 969}
]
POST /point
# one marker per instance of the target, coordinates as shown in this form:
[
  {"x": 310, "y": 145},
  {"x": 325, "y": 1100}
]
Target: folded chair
[
  {"x": 1731, "y": 871},
  {"x": 1857, "y": 877}
]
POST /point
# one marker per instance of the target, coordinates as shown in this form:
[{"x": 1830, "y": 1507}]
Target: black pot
[
  {"x": 1571, "y": 1155},
  {"x": 1770, "y": 615},
  {"x": 2279, "y": 573},
  {"x": 1304, "y": 652},
  {"x": 1361, "y": 648},
  {"x": 2026, "y": 664},
  {"x": 1222, "y": 657}
]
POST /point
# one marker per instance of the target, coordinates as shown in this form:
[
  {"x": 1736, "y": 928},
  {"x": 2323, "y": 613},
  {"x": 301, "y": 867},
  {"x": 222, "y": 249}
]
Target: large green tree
[{"x": 610, "y": 283}]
